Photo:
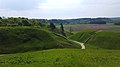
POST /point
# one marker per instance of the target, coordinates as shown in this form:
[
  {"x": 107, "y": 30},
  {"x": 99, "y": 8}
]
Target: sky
[{"x": 59, "y": 9}]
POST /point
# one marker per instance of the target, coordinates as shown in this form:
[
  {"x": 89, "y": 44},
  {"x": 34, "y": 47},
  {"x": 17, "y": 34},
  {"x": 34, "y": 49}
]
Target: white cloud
[
  {"x": 19, "y": 4},
  {"x": 59, "y": 8},
  {"x": 60, "y": 4}
]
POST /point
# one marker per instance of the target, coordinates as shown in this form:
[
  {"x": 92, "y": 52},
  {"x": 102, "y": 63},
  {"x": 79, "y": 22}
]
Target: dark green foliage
[
  {"x": 117, "y": 23},
  {"x": 79, "y": 21},
  {"x": 0, "y": 17},
  {"x": 62, "y": 29},
  {"x": 20, "y": 24},
  {"x": 26, "y": 23},
  {"x": 10, "y": 21},
  {"x": 52, "y": 27},
  {"x": 70, "y": 29},
  {"x": 98, "y": 22},
  {"x": 0, "y": 22}
]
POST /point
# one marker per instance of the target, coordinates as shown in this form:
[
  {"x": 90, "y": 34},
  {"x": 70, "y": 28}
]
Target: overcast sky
[{"x": 60, "y": 8}]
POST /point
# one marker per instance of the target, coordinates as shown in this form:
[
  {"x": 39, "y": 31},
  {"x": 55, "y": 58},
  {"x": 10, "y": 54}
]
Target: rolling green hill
[
  {"x": 31, "y": 40},
  {"x": 103, "y": 39},
  {"x": 22, "y": 39},
  {"x": 106, "y": 39}
]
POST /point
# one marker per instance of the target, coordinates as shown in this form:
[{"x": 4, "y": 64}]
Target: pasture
[
  {"x": 63, "y": 58},
  {"x": 79, "y": 27}
]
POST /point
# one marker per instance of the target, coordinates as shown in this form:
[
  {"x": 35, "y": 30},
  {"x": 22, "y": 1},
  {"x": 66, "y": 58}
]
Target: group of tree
[
  {"x": 20, "y": 21},
  {"x": 53, "y": 28},
  {"x": 97, "y": 22},
  {"x": 117, "y": 23},
  {"x": 78, "y": 21},
  {"x": 62, "y": 29}
]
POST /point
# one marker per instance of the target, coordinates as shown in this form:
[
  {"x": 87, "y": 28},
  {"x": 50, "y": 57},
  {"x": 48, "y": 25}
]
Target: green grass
[
  {"x": 82, "y": 36},
  {"x": 107, "y": 39},
  {"x": 22, "y": 39},
  {"x": 45, "y": 49},
  {"x": 63, "y": 58},
  {"x": 114, "y": 30}
]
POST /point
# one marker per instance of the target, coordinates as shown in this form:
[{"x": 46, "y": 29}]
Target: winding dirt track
[{"x": 81, "y": 44}]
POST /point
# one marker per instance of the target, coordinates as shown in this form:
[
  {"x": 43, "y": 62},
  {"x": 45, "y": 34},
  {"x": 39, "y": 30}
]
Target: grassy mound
[
  {"x": 103, "y": 39},
  {"x": 82, "y": 36},
  {"x": 63, "y": 58},
  {"x": 22, "y": 39},
  {"x": 106, "y": 39}
]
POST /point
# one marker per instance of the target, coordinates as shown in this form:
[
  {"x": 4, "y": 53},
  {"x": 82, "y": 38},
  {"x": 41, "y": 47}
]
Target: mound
[
  {"x": 22, "y": 39},
  {"x": 106, "y": 39},
  {"x": 102, "y": 39}
]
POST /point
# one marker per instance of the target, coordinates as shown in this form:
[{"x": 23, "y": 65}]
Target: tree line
[
  {"x": 20, "y": 21},
  {"x": 53, "y": 28},
  {"x": 78, "y": 21}
]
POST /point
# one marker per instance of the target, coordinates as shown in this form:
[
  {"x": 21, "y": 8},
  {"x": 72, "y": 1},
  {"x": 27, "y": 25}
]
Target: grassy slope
[
  {"x": 63, "y": 58},
  {"x": 104, "y": 39},
  {"x": 82, "y": 36},
  {"x": 22, "y": 39}
]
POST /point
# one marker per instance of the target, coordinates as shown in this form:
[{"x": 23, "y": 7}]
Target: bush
[{"x": 117, "y": 23}]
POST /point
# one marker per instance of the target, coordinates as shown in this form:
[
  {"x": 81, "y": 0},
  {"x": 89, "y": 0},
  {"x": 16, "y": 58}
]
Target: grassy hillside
[
  {"x": 22, "y": 39},
  {"x": 82, "y": 36},
  {"x": 103, "y": 39},
  {"x": 106, "y": 39},
  {"x": 63, "y": 58}
]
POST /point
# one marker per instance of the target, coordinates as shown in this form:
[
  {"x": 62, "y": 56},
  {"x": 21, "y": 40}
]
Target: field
[
  {"x": 63, "y": 58},
  {"x": 79, "y": 27}
]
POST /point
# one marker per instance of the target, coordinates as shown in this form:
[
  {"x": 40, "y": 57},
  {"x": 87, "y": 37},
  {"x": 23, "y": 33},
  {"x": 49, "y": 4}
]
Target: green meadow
[
  {"x": 63, "y": 58},
  {"x": 39, "y": 47}
]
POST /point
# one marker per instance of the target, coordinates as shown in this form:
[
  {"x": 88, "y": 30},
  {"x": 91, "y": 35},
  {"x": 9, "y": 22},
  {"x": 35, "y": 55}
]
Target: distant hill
[
  {"x": 78, "y": 21},
  {"x": 116, "y": 19}
]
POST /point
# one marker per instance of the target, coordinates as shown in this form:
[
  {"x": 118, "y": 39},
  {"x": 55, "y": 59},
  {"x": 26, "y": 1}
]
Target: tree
[
  {"x": 0, "y": 22},
  {"x": 117, "y": 23},
  {"x": 70, "y": 29},
  {"x": 0, "y": 17},
  {"x": 62, "y": 29},
  {"x": 20, "y": 23},
  {"x": 52, "y": 27},
  {"x": 25, "y": 22}
]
